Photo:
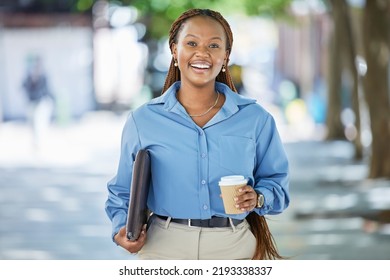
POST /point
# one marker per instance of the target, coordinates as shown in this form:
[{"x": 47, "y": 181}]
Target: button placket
[{"x": 203, "y": 168}]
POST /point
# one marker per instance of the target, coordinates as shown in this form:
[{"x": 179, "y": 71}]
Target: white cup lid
[{"x": 232, "y": 180}]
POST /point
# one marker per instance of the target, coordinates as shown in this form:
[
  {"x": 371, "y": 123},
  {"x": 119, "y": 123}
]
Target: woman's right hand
[{"x": 131, "y": 246}]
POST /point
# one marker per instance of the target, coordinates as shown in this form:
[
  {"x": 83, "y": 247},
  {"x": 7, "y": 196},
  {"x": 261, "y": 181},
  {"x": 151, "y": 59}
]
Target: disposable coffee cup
[{"x": 229, "y": 186}]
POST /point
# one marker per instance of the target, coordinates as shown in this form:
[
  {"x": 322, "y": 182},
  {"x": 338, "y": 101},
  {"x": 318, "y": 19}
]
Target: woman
[{"x": 197, "y": 131}]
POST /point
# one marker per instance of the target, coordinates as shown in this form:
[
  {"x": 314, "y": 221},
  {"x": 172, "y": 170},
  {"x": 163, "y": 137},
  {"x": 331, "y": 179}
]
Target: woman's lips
[{"x": 200, "y": 67}]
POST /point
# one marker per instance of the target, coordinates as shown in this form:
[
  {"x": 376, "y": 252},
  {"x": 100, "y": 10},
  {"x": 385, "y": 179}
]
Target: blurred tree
[
  {"x": 158, "y": 15},
  {"x": 342, "y": 55},
  {"x": 376, "y": 41},
  {"x": 351, "y": 54},
  {"x": 168, "y": 9},
  {"x": 333, "y": 120}
]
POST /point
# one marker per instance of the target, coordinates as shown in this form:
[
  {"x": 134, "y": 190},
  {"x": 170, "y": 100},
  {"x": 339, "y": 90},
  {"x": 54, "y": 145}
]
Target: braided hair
[{"x": 174, "y": 72}]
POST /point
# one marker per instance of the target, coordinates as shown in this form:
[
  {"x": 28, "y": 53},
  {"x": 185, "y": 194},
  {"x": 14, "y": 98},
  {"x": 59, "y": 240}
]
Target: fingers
[
  {"x": 131, "y": 246},
  {"x": 246, "y": 199},
  {"x": 142, "y": 238}
]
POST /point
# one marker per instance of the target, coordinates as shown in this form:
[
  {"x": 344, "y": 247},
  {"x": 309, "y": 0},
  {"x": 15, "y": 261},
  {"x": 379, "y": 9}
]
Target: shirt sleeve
[
  {"x": 271, "y": 171},
  {"x": 119, "y": 187}
]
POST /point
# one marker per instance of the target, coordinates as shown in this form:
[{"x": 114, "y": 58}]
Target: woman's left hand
[{"x": 246, "y": 199}]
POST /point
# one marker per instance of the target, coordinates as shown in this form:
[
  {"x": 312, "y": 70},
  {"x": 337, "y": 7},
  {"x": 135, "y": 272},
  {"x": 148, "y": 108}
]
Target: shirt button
[
  {"x": 200, "y": 132},
  {"x": 203, "y": 182},
  {"x": 203, "y": 155},
  {"x": 205, "y": 207}
]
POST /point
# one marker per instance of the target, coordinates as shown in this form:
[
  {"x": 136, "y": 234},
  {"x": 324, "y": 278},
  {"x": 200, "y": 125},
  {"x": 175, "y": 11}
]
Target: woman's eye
[
  {"x": 214, "y": 46},
  {"x": 192, "y": 44}
]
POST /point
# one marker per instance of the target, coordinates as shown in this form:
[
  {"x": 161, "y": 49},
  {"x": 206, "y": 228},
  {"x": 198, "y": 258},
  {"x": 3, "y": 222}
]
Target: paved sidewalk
[
  {"x": 334, "y": 208},
  {"x": 52, "y": 201}
]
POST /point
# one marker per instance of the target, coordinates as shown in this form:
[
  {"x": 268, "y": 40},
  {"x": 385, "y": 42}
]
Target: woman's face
[{"x": 200, "y": 50}]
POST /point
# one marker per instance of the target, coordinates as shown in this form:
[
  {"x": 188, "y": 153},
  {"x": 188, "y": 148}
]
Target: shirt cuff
[
  {"x": 118, "y": 221},
  {"x": 268, "y": 201}
]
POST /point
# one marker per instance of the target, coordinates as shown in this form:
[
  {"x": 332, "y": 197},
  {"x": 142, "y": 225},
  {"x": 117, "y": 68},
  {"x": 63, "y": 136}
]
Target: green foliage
[
  {"x": 158, "y": 15},
  {"x": 272, "y": 8},
  {"x": 161, "y": 13},
  {"x": 249, "y": 7},
  {"x": 84, "y": 5}
]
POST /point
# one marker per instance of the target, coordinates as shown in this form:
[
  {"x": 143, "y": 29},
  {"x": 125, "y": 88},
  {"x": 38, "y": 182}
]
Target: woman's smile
[{"x": 200, "y": 67}]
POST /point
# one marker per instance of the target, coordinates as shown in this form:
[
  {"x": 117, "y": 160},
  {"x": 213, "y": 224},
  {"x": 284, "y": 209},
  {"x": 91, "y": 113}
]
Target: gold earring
[{"x": 223, "y": 69}]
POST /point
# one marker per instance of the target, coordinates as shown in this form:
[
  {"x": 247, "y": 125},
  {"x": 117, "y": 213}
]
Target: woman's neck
[
  {"x": 196, "y": 98},
  {"x": 201, "y": 104}
]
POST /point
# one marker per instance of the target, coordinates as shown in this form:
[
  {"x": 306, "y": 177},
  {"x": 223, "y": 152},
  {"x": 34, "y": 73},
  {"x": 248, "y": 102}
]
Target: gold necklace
[{"x": 209, "y": 109}]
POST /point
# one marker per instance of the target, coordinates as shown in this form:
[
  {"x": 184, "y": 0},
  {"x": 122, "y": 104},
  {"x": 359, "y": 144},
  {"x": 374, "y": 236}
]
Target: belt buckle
[{"x": 189, "y": 223}]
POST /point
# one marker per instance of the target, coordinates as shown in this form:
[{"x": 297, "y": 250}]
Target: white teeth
[{"x": 202, "y": 66}]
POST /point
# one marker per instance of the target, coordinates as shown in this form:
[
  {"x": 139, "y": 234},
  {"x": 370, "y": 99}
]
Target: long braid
[
  {"x": 174, "y": 72},
  {"x": 265, "y": 245}
]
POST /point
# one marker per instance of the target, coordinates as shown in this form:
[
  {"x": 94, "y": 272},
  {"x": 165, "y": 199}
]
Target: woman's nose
[{"x": 202, "y": 51}]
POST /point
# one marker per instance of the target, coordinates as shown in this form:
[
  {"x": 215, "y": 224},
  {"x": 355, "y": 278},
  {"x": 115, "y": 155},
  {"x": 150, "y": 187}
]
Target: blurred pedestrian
[
  {"x": 197, "y": 131},
  {"x": 40, "y": 106}
]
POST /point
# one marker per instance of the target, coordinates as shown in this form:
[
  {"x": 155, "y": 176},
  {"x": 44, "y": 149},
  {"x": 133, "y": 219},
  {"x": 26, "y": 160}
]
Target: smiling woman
[
  {"x": 198, "y": 131},
  {"x": 200, "y": 52}
]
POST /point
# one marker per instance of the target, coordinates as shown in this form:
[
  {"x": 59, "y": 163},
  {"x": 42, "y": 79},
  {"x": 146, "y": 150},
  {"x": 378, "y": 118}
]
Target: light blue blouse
[{"x": 188, "y": 160}]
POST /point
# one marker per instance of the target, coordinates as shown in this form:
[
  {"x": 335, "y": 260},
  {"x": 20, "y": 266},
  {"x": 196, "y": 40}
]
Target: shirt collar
[
  {"x": 168, "y": 98},
  {"x": 233, "y": 100},
  {"x": 232, "y": 103}
]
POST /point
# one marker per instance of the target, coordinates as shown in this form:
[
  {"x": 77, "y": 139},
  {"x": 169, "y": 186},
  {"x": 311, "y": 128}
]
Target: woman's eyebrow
[{"x": 212, "y": 38}]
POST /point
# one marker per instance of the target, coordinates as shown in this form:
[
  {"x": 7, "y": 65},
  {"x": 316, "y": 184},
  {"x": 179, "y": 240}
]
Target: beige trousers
[{"x": 172, "y": 241}]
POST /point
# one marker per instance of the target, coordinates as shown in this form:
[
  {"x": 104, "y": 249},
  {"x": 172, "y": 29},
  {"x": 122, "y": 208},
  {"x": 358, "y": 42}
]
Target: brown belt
[{"x": 210, "y": 223}]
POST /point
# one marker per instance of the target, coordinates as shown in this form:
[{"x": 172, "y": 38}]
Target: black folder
[{"x": 138, "y": 211}]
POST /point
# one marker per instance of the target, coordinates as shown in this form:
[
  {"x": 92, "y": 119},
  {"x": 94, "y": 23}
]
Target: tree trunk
[
  {"x": 350, "y": 52},
  {"x": 333, "y": 120},
  {"x": 376, "y": 49}
]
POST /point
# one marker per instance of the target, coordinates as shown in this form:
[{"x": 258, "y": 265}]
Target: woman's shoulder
[{"x": 250, "y": 104}]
